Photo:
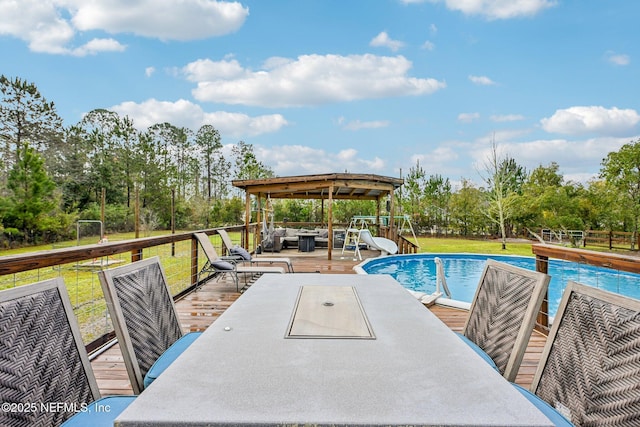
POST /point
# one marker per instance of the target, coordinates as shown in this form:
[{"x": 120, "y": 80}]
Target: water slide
[{"x": 385, "y": 246}]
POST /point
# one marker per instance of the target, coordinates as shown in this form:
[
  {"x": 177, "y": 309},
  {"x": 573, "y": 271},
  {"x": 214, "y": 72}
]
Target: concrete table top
[{"x": 244, "y": 371}]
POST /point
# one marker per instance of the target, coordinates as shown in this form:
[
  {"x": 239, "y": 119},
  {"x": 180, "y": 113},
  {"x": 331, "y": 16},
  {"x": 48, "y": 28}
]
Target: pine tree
[{"x": 31, "y": 192}]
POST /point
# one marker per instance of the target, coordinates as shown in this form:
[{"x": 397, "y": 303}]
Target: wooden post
[
  {"x": 103, "y": 202},
  {"x": 247, "y": 217},
  {"x": 392, "y": 208},
  {"x": 330, "y": 222},
  {"x": 194, "y": 261},
  {"x": 378, "y": 223},
  {"x": 257, "y": 235},
  {"x": 610, "y": 240},
  {"x": 136, "y": 255},
  {"x": 173, "y": 220},
  {"x": 542, "y": 265},
  {"x": 136, "y": 214}
]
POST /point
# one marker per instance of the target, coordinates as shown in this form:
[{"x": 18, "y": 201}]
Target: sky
[{"x": 362, "y": 86}]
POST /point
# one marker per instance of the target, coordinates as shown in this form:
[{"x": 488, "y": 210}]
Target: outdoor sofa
[{"x": 289, "y": 236}]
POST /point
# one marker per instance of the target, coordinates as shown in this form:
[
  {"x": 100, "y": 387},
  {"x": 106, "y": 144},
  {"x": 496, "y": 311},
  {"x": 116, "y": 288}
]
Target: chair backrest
[
  {"x": 207, "y": 247},
  {"x": 143, "y": 314},
  {"x": 590, "y": 365},
  {"x": 43, "y": 359},
  {"x": 226, "y": 240},
  {"x": 503, "y": 313}
]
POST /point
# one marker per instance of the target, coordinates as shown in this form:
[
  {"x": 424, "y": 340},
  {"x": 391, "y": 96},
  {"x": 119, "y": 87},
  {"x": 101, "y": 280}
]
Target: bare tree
[{"x": 500, "y": 192}]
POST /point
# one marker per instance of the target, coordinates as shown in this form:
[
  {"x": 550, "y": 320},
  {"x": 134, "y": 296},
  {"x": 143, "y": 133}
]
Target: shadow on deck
[{"x": 199, "y": 309}]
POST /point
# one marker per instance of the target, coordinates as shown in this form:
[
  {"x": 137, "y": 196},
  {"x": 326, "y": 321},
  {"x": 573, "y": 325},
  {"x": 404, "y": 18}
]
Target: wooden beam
[
  {"x": 318, "y": 196},
  {"x": 600, "y": 259}
]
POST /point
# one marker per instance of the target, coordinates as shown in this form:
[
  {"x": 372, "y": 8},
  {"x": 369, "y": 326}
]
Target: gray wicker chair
[
  {"x": 242, "y": 255},
  {"x": 219, "y": 266},
  {"x": 43, "y": 362},
  {"x": 144, "y": 318},
  {"x": 590, "y": 366},
  {"x": 503, "y": 314}
]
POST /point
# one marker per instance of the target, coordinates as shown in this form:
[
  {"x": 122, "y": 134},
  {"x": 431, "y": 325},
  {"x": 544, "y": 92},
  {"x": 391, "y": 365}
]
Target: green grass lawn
[
  {"x": 456, "y": 245},
  {"x": 82, "y": 280},
  {"x": 86, "y": 294}
]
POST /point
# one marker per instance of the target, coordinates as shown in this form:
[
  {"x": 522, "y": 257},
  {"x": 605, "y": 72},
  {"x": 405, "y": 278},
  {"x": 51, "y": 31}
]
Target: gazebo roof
[{"x": 345, "y": 186}]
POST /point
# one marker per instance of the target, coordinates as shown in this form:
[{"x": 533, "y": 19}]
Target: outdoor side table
[{"x": 307, "y": 242}]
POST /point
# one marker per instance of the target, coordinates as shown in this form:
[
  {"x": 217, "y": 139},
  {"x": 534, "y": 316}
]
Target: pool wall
[{"x": 417, "y": 272}]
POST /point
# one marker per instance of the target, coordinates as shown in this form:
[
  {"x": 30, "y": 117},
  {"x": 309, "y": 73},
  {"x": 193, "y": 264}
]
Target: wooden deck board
[{"x": 201, "y": 308}]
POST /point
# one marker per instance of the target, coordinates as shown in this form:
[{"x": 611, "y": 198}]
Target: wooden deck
[{"x": 201, "y": 308}]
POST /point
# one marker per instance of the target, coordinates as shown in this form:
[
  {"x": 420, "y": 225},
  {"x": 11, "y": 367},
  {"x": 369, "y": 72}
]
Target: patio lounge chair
[
  {"x": 218, "y": 266},
  {"x": 44, "y": 362},
  {"x": 590, "y": 364},
  {"x": 144, "y": 318},
  {"x": 242, "y": 255},
  {"x": 503, "y": 314}
]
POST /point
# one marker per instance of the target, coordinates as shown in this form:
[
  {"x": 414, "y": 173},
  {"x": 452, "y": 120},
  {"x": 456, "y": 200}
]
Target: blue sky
[{"x": 365, "y": 86}]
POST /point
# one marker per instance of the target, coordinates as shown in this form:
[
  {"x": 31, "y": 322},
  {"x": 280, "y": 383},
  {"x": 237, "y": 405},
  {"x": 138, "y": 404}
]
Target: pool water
[{"x": 463, "y": 271}]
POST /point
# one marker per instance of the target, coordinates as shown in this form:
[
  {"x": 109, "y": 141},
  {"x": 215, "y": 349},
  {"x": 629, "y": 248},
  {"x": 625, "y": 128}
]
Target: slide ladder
[{"x": 352, "y": 239}]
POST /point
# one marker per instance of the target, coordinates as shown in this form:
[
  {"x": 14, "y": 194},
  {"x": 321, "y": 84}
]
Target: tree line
[
  {"x": 513, "y": 201},
  {"x": 51, "y": 176}
]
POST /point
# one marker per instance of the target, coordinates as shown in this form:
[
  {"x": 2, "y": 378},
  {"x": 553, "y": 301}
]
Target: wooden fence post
[{"x": 542, "y": 265}]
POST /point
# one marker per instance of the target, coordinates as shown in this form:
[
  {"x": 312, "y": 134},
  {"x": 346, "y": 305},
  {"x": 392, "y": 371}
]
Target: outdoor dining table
[{"x": 329, "y": 349}]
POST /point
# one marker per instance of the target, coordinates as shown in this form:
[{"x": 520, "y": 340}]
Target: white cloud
[
  {"x": 96, "y": 46},
  {"x": 187, "y": 114},
  {"x": 149, "y": 71},
  {"x": 572, "y": 155},
  {"x": 579, "y": 160},
  {"x": 307, "y": 80},
  {"x": 38, "y": 23},
  {"x": 206, "y": 69},
  {"x": 503, "y": 135},
  {"x": 383, "y": 40},
  {"x": 481, "y": 80},
  {"x": 303, "y": 160},
  {"x": 444, "y": 160},
  {"x": 428, "y": 45},
  {"x": 468, "y": 117},
  {"x": 163, "y": 19},
  {"x": 358, "y": 125},
  {"x": 437, "y": 155},
  {"x": 51, "y": 26},
  {"x": 618, "y": 58},
  {"x": 592, "y": 119},
  {"x": 506, "y": 118},
  {"x": 494, "y": 9}
]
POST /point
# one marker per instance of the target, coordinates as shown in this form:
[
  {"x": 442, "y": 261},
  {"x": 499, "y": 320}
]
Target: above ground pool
[{"x": 462, "y": 273}]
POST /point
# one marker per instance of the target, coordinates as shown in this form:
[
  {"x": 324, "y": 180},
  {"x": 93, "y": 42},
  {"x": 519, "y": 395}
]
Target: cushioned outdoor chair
[
  {"x": 45, "y": 374},
  {"x": 589, "y": 371},
  {"x": 144, "y": 318},
  {"x": 240, "y": 254},
  {"x": 503, "y": 314},
  {"x": 219, "y": 266}
]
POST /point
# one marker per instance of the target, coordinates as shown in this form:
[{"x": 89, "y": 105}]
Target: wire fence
[{"x": 79, "y": 267}]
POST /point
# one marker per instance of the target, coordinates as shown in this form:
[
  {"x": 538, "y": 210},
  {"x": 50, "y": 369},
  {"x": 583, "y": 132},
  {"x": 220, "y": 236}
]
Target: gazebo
[{"x": 334, "y": 186}]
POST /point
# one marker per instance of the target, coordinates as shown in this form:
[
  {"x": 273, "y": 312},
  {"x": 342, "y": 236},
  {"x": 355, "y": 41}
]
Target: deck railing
[
  {"x": 612, "y": 261},
  {"x": 612, "y": 239},
  {"x": 78, "y": 265}
]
